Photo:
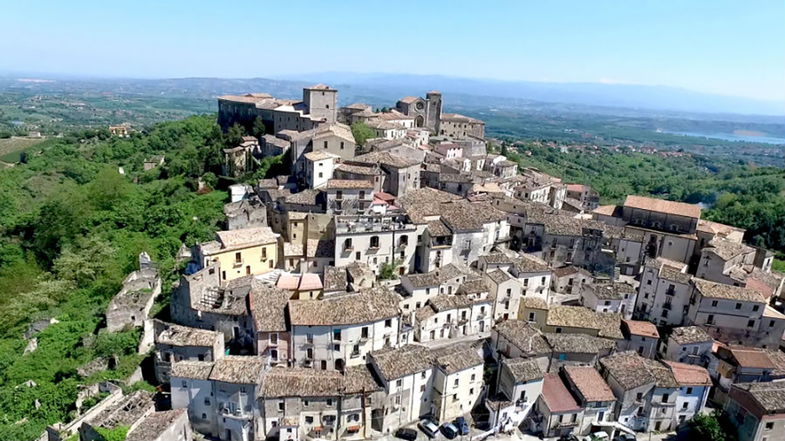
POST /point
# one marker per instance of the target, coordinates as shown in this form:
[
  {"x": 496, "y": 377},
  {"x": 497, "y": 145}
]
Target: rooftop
[
  {"x": 524, "y": 336},
  {"x": 689, "y": 374},
  {"x": 578, "y": 343},
  {"x": 556, "y": 395},
  {"x": 631, "y": 371},
  {"x": 268, "y": 306},
  {"x": 403, "y": 361},
  {"x": 237, "y": 239},
  {"x": 663, "y": 206},
  {"x": 523, "y": 370},
  {"x": 239, "y": 369},
  {"x": 589, "y": 383},
  {"x": 690, "y": 335},
  {"x": 176, "y": 335},
  {"x": 608, "y": 324},
  {"x": 154, "y": 424},
  {"x": 641, "y": 328},
  {"x": 196, "y": 370},
  {"x": 352, "y": 308},
  {"x": 727, "y": 249},
  {"x": 769, "y": 396},
  {"x": 715, "y": 290},
  {"x": 345, "y": 184}
]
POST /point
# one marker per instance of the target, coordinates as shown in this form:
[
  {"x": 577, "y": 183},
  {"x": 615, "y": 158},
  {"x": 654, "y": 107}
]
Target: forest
[{"x": 71, "y": 228}]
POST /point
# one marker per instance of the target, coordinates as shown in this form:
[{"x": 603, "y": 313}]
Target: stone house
[
  {"x": 618, "y": 297},
  {"x": 639, "y": 336},
  {"x": 130, "y": 307},
  {"x": 688, "y": 344},
  {"x": 167, "y": 425},
  {"x": 250, "y": 251},
  {"x": 319, "y": 166},
  {"x": 348, "y": 197},
  {"x": 576, "y": 349},
  {"x": 341, "y": 330},
  {"x": 592, "y": 393},
  {"x": 267, "y": 306},
  {"x": 557, "y": 412},
  {"x": 375, "y": 240},
  {"x": 758, "y": 410},
  {"x": 246, "y": 213},
  {"x": 664, "y": 292},
  {"x": 174, "y": 343}
]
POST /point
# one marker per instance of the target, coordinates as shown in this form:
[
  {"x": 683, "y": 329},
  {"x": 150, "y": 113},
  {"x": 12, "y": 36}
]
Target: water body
[{"x": 730, "y": 137}]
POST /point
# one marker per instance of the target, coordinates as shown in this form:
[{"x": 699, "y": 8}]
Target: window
[
  {"x": 689, "y": 391},
  {"x": 755, "y": 308},
  {"x": 206, "y": 401},
  {"x": 329, "y": 401},
  {"x": 238, "y": 258},
  {"x": 374, "y": 242},
  {"x": 281, "y": 406},
  {"x": 455, "y": 383},
  {"x": 665, "y": 398},
  {"x": 531, "y": 316},
  {"x": 473, "y": 377},
  {"x": 364, "y": 332},
  {"x": 337, "y": 347},
  {"x": 388, "y": 323},
  {"x": 321, "y": 174},
  {"x": 710, "y": 319},
  {"x": 336, "y": 334},
  {"x": 713, "y": 303},
  {"x": 769, "y": 426},
  {"x": 639, "y": 397},
  {"x": 341, "y": 141},
  {"x": 399, "y": 383},
  {"x": 738, "y": 305},
  {"x": 750, "y": 323},
  {"x": 558, "y": 330},
  {"x": 309, "y": 420},
  {"x": 325, "y": 144}
]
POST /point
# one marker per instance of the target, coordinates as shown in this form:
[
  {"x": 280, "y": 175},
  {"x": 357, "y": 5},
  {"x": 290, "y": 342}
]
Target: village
[{"x": 422, "y": 285}]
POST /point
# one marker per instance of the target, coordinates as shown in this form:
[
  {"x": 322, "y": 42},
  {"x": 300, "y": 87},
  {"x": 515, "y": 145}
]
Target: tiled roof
[
  {"x": 387, "y": 158},
  {"x": 335, "y": 279},
  {"x": 352, "y": 308},
  {"x": 769, "y": 396},
  {"x": 239, "y": 369},
  {"x": 456, "y": 358},
  {"x": 196, "y": 370},
  {"x": 282, "y": 382},
  {"x": 690, "y": 335},
  {"x": 176, "y": 335},
  {"x": 727, "y": 249},
  {"x": 525, "y": 337},
  {"x": 523, "y": 369},
  {"x": 689, "y": 374},
  {"x": 534, "y": 303},
  {"x": 348, "y": 184},
  {"x": 610, "y": 291},
  {"x": 631, "y": 370},
  {"x": 607, "y": 323},
  {"x": 715, "y": 290},
  {"x": 319, "y": 155},
  {"x": 556, "y": 395},
  {"x": 154, "y": 424},
  {"x": 435, "y": 277},
  {"x": 578, "y": 343},
  {"x": 641, "y": 328},
  {"x": 247, "y": 237},
  {"x": 663, "y": 206},
  {"x": 403, "y": 361},
  {"x": 268, "y": 305},
  {"x": 589, "y": 383}
]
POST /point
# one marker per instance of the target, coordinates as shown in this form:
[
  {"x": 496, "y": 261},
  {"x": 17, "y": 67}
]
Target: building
[
  {"x": 758, "y": 410},
  {"x": 639, "y": 336},
  {"x": 319, "y": 167},
  {"x": 427, "y": 112},
  {"x": 174, "y": 343},
  {"x": 618, "y": 297},
  {"x": 589, "y": 199},
  {"x": 593, "y": 395},
  {"x": 688, "y": 344},
  {"x": 339, "y": 331},
  {"x": 130, "y": 307},
  {"x": 664, "y": 292},
  {"x": 558, "y": 413},
  {"x": 250, "y": 251},
  {"x": 375, "y": 240}
]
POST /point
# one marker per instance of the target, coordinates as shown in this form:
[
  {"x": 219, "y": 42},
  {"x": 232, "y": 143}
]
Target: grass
[{"x": 10, "y": 148}]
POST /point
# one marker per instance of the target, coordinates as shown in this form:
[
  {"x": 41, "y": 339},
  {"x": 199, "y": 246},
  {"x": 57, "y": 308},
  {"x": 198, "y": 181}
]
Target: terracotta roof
[
  {"x": 320, "y": 155},
  {"x": 556, "y": 395},
  {"x": 749, "y": 357},
  {"x": 727, "y": 249},
  {"x": 663, "y": 206},
  {"x": 578, "y": 343},
  {"x": 589, "y": 383},
  {"x": 688, "y": 374},
  {"x": 642, "y": 328},
  {"x": 282, "y": 382},
  {"x": 456, "y": 357}
]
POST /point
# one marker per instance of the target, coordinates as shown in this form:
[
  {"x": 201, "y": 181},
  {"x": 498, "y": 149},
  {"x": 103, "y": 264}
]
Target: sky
[{"x": 734, "y": 48}]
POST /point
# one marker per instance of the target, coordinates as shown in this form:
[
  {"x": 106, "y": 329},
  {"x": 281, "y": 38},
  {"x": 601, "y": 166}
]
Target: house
[
  {"x": 689, "y": 344},
  {"x": 723, "y": 260},
  {"x": 406, "y": 376},
  {"x": 235, "y": 381},
  {"x": 175, "y": 343},
  {"x": 375, "y": 240},
  {"x": 402, "y": 174},
  {"x": 192, "y": 389},
  {"x": 569, "y": 279},
  {"x": 129, "y": 411},
  {"x": 576, "y": 349},
  {"x": 664, "y": 292},
  {"x": 348, "y": 196},
  {"x": 250, "y": 251},
  {"x": 507, "y": 290},
  {"x": 319, "y": 168},
  {"x": 618, "y": 297},
  {"x": 694, "y": 386},
  {"x": 457, "y": 380},
  {"x": 646, "y": 391},
  {"x": 468, "y": 312},
  {"x": 299, "y": 403},
  {"x": 513, "y": 339},
  {"x": 558, "y": 413},
  {"x": 453, "y": 125},
  {"x": 520, "y": 380},
  {"x": 734, "y": 314},
  {"x": 340, "y": 330},
  {"x": 758, "y": 410},
  {"x": 577, "y": 320},
  {"x": 741, "y": 364},
  {"x": 267, "y": 308},
  {"x": 639, "y": 336},
  {"x": 588, "y": 197},
  {"x": 245, "y": 213},
  {"x": 593, "y": 395}
]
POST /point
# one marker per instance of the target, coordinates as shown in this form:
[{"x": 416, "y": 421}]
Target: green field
[{"x": 10, "y": 148}]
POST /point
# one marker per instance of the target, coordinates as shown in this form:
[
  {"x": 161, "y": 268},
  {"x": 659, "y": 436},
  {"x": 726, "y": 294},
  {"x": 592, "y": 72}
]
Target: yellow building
[{"x": 239, "y": 253}]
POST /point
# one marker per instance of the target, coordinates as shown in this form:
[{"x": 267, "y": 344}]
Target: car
[
  {"x": 462, "y": 425},
  {"x": 599, "y": 436},
  {"x": 449, "y": 430},
  {"x": 569, "y": 437},
  {"x": 624, "y": 437},
  {"x": 407, "y": 434},
  {"x": 428, "y": 427}
]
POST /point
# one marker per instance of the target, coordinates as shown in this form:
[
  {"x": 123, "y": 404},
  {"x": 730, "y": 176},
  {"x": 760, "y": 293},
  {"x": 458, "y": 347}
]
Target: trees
[
  {"x": 714, "y": 427},
  {"x": 362, "y": 133},
  {"x": 258, "y": 129}
]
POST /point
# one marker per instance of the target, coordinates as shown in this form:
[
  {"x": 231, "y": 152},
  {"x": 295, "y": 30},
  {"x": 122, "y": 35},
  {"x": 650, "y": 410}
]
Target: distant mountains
[{"x": 589, "y": 94}]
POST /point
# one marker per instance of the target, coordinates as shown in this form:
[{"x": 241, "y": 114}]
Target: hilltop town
[{"x": 417, "y": 283}]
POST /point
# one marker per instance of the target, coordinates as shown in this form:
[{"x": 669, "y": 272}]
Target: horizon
[{"x": 730, "y": 49}]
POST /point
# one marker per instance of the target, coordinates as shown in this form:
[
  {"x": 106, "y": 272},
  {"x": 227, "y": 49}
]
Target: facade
[
  {"x": 239, "y": 253},
  {"x": 757, "y": 410}
]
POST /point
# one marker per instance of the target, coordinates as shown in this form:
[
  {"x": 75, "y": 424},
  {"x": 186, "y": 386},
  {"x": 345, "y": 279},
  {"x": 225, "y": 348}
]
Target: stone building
[
  {"x": 174, "y": 343},
  {"x": 130, "y": 307},
  {"x": 427, "y": 112}
]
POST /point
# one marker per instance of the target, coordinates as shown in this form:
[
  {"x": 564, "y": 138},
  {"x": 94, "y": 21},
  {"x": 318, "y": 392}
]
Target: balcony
[
  {"x": 235, "y": 412},
  {"x": 667, "y": 306},
  {"x": 670, "y": 292}
]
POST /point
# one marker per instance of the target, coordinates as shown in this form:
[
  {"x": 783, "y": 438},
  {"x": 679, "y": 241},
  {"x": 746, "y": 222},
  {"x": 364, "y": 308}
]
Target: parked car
[
  {"x": 407, "y": 434},
  {"x": 462, "y": 425},
  {"x": 449, "y": 430},
  {"x": 428, "y": 427},
  {"x": 569, "y": 437},
  {"x": 624, "y": 437},
  {"x": 598, "y": 436}
]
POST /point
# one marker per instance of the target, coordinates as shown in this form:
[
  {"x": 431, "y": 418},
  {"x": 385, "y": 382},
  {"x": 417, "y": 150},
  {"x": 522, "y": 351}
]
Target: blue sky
[{"x": 726, "y": 47}]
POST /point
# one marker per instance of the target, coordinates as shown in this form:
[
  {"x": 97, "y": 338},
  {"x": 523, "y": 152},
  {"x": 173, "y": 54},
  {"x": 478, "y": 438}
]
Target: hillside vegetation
[{"x": 71, "y": 228}]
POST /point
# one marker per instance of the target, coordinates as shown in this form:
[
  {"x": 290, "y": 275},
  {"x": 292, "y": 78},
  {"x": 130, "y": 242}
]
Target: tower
[
  {"x": 322, "y": 102},
  {"x": 433, "y": 111}
]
